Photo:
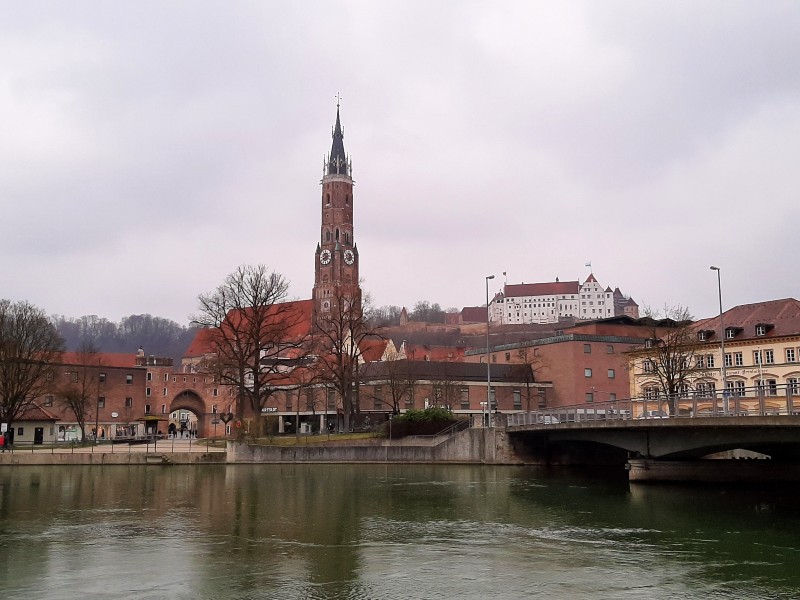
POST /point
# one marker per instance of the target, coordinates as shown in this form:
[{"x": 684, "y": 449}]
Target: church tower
[{"x": 336, "y": 258}]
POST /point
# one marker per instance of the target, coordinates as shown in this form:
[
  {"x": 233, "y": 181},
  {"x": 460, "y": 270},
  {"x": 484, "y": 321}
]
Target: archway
[{"x": 189, "y": 415}]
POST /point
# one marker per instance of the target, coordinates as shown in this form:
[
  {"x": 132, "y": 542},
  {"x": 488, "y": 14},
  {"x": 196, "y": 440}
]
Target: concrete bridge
[{"x": 657, "y": 446}]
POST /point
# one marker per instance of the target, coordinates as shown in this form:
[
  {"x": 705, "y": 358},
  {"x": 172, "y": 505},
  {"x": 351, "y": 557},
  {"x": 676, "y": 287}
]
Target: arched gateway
[{"x": 192, "y": 401}]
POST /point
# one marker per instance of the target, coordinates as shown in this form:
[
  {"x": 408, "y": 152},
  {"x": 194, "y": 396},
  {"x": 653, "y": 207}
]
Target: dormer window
[
  {"x": 763, "y": 328},
  {"x": 701, "y": 336},
  {"x": 731, "y": 332}
]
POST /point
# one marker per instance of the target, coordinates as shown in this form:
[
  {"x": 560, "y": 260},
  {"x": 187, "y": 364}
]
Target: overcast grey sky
[{"x": 149, "y": 148}]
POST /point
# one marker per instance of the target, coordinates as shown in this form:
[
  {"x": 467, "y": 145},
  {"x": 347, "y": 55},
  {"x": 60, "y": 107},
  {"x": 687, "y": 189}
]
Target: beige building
[{"x": 761, "y": 365}]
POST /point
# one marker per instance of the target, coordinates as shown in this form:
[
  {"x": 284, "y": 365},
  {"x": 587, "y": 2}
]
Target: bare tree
[
  {"x": 400, "y": 378},
  {"x": 29, "y": 346},
  {"x": 83, "y": 386},
  {"x": 257, "y": 340},
  {"x": 339, "y": 334},
  {"x": 530, "y": 367},
  {"x": 668, "y": 359}
]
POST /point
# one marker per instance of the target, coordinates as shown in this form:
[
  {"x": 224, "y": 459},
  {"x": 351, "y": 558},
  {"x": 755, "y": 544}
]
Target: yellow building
[{"x": 760, "y": 370}]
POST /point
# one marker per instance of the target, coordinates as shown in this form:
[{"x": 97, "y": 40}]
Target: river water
[{"x": 385, "y": 532}]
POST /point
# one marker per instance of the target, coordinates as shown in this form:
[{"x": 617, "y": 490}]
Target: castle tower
[{"x": 336, "y": 258}]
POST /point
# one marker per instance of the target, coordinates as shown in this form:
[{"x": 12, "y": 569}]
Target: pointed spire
[{"x": 337, "y": 161}]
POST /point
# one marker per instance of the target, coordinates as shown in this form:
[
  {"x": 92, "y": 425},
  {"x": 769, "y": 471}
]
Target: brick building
[{"x": 584, "y": 364}]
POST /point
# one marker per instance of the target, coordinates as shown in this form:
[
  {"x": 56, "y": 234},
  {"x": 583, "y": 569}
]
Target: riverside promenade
[{"x": 178, "y": 451}]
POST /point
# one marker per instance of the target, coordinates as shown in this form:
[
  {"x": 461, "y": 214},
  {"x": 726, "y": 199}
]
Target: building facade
[
  {"x": 584, "y": 364},
  {"x": 760, "y": 368},
  {"x": 528, "y": 303}
]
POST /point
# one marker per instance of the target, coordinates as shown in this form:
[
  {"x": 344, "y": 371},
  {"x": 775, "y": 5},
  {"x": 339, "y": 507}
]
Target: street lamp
[
  {"x": 722, "y": 343},
  {"x": 488, "y": 368}
]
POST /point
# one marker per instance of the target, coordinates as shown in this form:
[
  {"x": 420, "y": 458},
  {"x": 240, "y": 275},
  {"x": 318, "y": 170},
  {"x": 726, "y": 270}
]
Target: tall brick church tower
[{"x": 336, "y": 264}]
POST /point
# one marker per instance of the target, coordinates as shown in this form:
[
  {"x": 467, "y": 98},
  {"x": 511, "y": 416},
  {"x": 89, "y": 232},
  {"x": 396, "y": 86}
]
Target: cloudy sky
[{"x": 147, "y": 149}]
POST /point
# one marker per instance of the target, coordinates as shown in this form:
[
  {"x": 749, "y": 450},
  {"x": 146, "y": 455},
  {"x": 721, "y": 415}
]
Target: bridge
[{"x": 643, "y": 432}]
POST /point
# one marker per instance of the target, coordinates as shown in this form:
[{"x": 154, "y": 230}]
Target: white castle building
[{"x": 549, "y": 302}]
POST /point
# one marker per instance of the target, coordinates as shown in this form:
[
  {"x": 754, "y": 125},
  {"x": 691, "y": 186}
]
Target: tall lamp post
[
  {"x": 722, "y": 343},
  {"x": 488, "y": 368}
]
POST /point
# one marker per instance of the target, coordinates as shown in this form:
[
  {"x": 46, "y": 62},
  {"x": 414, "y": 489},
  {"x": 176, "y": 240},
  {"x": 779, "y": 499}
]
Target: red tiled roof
[
  {"x": 542, "y": 289},
  {"x": 783, "y": 315},
  {"x": 299, "y": 311},
  {"x": 372, "y": 350},
  {"x": 100, "y": 359},
  {"x": 473, "y": 314},
  {"x": 36, "y": 413}
]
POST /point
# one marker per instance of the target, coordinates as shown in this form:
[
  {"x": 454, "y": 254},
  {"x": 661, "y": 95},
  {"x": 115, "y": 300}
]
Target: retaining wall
[
  {"x": 489, "y": 446},
  {"x": 109, "y": 458}
]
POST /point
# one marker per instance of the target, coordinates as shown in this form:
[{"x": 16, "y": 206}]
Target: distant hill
[{"x": 157, "y": 336}]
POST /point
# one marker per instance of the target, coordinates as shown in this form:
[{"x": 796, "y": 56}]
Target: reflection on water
[{"x": 367, "y": 531}]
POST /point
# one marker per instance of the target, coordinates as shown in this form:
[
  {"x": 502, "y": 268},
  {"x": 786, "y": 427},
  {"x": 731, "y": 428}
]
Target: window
[
  {"x": 705, "y": 389},
  {"x": 332, "y": 397},
  {"x": 147, "y": 409},
  {"x": 701, "y": 336},
  {"x": 683, "y": 390},
  {"x": 738, "y": 360},
  {"x": 587, "y": 372},
  {"x": 166, "y": 377},
  {"x": 612, "y": 397},
  {"x": 589, "y": 397},
  {"x": 710, "y": 361},
  {"x": 128, "y": 402},
  {"x": 648, "y": 366},
  {"x": 215, "y": 392},
  {"x": 699, "y": 362},
  {"x": 790, "y": 356},
  {"x": 769, "y": 357},
  {"x": 74, "y": 376},
  {"x": 465, "y": 398},
  {"x": 650, "y": 393},
  {"x": 793, "y": 385},
  {"x": 517, "y": 400},
  {"x": 129, "y": 379},
  {"x": 492, "y": 400},
  {"x": 309, "y": 400},
  {"x": 101, "y": 402},
  {"x": 508, "y": 356},
  {"x": 757, "y": 358},
  {"x": 587, "y": 348},
  {"x": 20, "y": 430},
  {"x": 736, "y": 387},
  {"x": 767, "y": 386},
  {"x": 163, "y": 409},
  {"x": 728, "y": 359},
  {"x": 147, "y": 391},
  {"x": 609, "y": 349},
  {"x": 48, "y": 401},
  {"x": 101, "y": 377},
  {"x": 611, "y": 374},
  {"x": 761, "y": 330},
  {"x": 149, "y": 376}
]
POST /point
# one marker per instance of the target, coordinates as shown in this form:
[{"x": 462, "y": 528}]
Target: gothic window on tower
[
  {"x": 327, "y": 235},
  {"x": 328, "y": 199},
  {"x": 347, "y": 199},
  {"x": 337, "y": 234},
  {"x": 346, "y": 238}
]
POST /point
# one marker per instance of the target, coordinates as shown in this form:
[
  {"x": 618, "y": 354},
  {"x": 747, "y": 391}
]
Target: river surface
[{"x": 385, "y": 532}]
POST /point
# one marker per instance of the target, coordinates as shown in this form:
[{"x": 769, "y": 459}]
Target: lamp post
[
  {"x": 488, "y": 368},
  {"x": 722, "y": 342}
]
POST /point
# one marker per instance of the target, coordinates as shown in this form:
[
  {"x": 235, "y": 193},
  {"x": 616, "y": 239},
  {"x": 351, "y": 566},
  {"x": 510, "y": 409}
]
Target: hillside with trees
[{"x": 156, "y": 335}]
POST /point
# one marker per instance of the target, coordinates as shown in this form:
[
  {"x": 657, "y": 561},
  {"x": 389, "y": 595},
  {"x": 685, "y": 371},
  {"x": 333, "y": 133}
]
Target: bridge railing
[{"x": 765, "y": 400}]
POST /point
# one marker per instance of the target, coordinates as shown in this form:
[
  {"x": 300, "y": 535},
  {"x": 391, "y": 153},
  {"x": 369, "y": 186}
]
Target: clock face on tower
[
  {"x": 325, "y": 257},
  {"x": 349, "y": 257}
]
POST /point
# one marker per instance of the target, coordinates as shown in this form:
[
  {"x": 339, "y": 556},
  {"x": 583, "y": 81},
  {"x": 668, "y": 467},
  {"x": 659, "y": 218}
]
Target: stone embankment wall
[
  {"x": 486, "y": 446},
  {"x": 108, "y": 458}
]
